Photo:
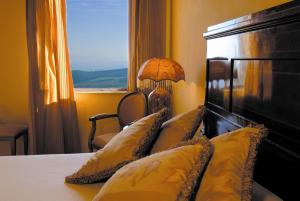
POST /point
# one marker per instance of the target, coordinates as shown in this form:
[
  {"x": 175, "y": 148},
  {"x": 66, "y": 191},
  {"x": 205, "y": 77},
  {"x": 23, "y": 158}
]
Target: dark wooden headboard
[{"x": 253, "y": 76}]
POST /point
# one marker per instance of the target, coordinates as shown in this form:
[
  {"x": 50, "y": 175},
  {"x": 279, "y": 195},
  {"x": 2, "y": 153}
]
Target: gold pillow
[
  {"x": 128, "y": 145},
  {"x": 180, "y": 128},
  {"x": 166, "y": 176},
  {"x": 229, "y": 172}
]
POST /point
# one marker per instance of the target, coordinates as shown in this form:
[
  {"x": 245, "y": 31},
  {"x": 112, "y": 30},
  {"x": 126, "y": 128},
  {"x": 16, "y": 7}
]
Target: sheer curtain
[
  {"x": 149, "y": 36},
  {"x": 53, "y": 115}
]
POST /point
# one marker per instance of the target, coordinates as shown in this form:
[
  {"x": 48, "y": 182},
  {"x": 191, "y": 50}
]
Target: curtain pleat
[
  {"x": 53, "y": 115},
  {"x": 149, "y": 36}
]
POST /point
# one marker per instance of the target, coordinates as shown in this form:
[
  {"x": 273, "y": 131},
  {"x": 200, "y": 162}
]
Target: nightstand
[{"x": 11, "y": 132}]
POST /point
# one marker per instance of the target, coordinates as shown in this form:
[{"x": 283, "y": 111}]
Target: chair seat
[
  {"x": 11, "y": 130},
  {"x": 101, "y": 140}
]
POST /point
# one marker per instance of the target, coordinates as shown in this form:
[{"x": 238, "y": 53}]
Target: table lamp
[{"x": 159, "y": 69}]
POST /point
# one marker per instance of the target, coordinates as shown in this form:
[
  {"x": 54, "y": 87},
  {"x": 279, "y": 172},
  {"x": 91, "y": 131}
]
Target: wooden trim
[{"x": 286, "y": 13}]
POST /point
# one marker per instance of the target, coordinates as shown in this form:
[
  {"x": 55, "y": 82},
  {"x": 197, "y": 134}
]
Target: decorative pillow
[
  {"x": 229, "y": 173},
  {"x": 180, "y": 128},
  {"x": 166, "y": 176},
  {"x": 128, "y": 145}
]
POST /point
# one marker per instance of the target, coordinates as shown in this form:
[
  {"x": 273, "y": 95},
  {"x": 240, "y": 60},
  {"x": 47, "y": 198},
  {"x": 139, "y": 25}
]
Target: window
[{"x": 98, "y": 43}]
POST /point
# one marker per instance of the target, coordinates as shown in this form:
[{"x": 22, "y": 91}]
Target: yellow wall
[
  {"x": 13, "y": 62},
  {"x": 13, "y": 66},
  {"x": 190, "y": 19}
]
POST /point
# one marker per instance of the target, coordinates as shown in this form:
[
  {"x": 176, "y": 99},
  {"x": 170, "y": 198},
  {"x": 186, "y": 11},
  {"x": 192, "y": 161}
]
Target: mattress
[{"x": 41, "y": 177}]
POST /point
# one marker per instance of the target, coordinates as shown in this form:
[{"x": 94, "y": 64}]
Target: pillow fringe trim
[
  {"x": 196, "y": 123},
  {"x": 247, "y": 177},
  {"x": 191, "y": 182},
  {"x": 146, "y": 142},
  {"x": 96, "y": 177}
]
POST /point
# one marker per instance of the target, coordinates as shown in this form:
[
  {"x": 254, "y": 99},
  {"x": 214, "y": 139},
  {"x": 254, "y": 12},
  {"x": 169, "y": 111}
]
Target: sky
[{"x": 97, "y": 34}]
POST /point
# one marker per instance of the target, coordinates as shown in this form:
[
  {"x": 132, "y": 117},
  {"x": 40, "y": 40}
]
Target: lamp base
[{"x": 158, "y": 99}]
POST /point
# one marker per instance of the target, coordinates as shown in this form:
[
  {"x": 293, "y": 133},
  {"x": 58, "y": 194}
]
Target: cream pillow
[
  {"x": 180, "y": 128},
  {"x": 229, "y": 172},
  {"x": 128, "y": 145},
  {"x": 166, "y": 176}
]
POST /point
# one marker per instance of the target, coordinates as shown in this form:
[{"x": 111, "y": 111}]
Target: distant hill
[{"x": 116, "y": 78}]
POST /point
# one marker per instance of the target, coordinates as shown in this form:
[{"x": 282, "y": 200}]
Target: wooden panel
[
  {"x": 219, "y": 82},
  {"x": 259, "y": 91}
]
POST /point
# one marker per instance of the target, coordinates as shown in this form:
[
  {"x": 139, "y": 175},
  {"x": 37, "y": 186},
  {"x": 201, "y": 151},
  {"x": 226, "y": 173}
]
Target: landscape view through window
[{"x": 98, "y": 43}]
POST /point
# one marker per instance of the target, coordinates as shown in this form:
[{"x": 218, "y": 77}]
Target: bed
[
  {"x": 262, "y": 49},
  {"x": 41, "y": 177}
]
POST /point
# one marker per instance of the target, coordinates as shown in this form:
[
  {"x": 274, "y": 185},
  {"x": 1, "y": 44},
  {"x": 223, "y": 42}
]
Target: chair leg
[
  {"x": 13, "y": 147},
  {"x": 90, "y": 149},
  {"x": 26, "y": 143},
  {"x": 91, "y": 136}
]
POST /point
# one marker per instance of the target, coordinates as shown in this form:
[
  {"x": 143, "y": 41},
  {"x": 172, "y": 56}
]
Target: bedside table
[{"x": 11, "y": 132}]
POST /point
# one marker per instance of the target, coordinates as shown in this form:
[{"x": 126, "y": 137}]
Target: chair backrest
[{"x": 133, "y": 106}]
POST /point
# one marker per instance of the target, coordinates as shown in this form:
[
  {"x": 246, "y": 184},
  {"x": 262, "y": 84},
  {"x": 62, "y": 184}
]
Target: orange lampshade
[{"x": 158, "y": 69}]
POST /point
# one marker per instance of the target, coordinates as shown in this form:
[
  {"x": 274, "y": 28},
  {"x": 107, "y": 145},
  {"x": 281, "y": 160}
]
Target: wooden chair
[{"x": 131, "y": 107}]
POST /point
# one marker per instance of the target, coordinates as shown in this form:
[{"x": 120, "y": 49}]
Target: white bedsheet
[{"x": 41, "y": 178}]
